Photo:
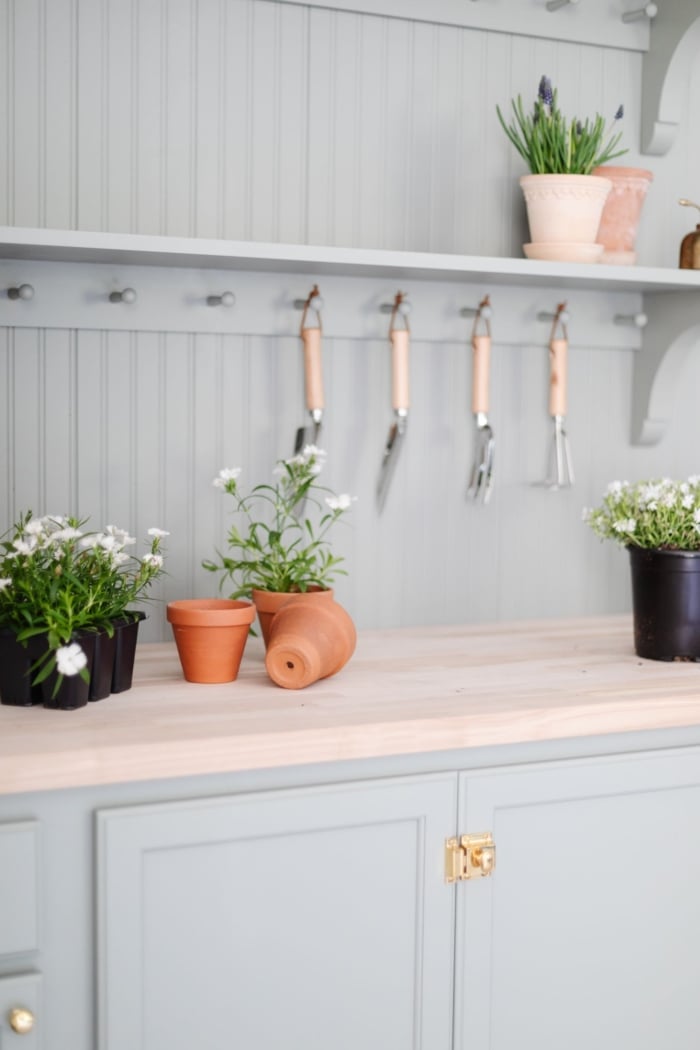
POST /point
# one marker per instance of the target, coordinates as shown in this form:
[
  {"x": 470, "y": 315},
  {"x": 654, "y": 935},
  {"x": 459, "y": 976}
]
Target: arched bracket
[
  {"x": 673, "y": 47},
  {"x": 672, "y": 332}
]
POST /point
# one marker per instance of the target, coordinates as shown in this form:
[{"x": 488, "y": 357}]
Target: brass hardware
[
  {"x": 21, "y": 1020},
  {"x": 469, "y": 857}
]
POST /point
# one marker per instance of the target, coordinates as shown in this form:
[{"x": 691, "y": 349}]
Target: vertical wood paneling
[
  {"x": 251, "y": 119},
  {"x": 121, "y": 92},
  {"x": 150, "y": 114},
  {"x": 57, "y": 173},
  {"x": 28, "y": 116},
  {"x": 92, "y": 126}
]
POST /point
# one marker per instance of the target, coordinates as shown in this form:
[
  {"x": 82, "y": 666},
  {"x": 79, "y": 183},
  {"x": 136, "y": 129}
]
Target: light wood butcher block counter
[{"x": 405, "y": 691}]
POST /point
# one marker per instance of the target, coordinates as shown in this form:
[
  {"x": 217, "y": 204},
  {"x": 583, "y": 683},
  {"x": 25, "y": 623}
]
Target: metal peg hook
[
  {"x": 561, "y": 314},
  {"x": 559, "y": 319},
  {"x": 554, "y": 5},
  {"x": 484, "y": 309},
  {"x": 24, "y": 291},
  {"x": 648, "y": 11},
  {"x": 225, "y": 299},
  {"x": 639, "y": 320},
  {"x": 688, "y": 204},
  {"x": 312, "y": 302},
  {"x": 401, "y": 305},
  {"x": 127, "y": 295}
]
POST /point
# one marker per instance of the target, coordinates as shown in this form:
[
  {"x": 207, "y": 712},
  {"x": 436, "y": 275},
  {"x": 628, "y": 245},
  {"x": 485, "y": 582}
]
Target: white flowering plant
[
  {"x": 656, "y": 515},
  {"x": 277, "y": 545},
  {"x": 56, "y": 579}
]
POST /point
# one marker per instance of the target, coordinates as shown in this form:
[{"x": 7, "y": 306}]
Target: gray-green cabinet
[
  {"x": 306, "y": 912},
  {"x": 305, "y": 919},
  {"x": 588, "y": 933}
]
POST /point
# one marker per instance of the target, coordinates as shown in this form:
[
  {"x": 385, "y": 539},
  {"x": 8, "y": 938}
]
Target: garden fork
[
  {"x": 561, "y": 472},
  {"x": 481, "y": 477}
]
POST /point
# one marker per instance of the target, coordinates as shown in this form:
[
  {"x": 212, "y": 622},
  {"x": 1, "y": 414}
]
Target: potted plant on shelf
[
  {"x": 66, "y": 598},
  {"x": 564, "y": 200},
  {"x": 659, "y": 523},
  {"x": 279, "y": 548}
]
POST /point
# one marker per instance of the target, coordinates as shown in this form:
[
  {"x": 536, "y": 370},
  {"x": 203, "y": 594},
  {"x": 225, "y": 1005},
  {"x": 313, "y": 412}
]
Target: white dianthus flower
[
  {"x": 6, "y": 582},
  {"x": 70, "y": 659},
  {"x": 341, "y": 502},
  {"x": 158, "y": 532},
  {"x": 156, "y": 560}
]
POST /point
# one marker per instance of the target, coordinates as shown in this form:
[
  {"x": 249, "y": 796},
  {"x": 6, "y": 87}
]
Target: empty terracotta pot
[
  {"x": 268, "y": 604},
  {"x": 622, "y": 212},
  {"x": 309, "y": 641},
  {"x": 210, "y": 634}
]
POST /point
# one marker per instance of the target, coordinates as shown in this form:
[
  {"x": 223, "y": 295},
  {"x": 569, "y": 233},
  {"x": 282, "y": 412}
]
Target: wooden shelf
[{"x": 197, "y": 253}]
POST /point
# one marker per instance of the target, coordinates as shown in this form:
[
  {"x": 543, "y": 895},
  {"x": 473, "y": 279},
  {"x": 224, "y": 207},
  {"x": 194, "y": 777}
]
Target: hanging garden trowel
[
  {"x": 399, "y": 338},
  {"x": 313, "y": 378}
]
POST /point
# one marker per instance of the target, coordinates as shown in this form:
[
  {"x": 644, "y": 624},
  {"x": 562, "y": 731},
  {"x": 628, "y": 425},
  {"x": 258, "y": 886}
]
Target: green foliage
[
  {"x": 656, "y": 515},
  {"x": 277, "y": 546},
  {"x": 56, "y": 579},
  {"x": 552, "y": 145}
]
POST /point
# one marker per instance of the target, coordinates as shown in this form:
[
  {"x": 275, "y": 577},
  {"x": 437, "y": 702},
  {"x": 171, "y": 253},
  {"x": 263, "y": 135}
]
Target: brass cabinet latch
[{"x": 469, "y": 857}]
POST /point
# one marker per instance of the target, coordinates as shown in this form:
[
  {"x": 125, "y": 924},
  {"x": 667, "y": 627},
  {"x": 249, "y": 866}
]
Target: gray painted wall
[{"x": 263, "y": 120}]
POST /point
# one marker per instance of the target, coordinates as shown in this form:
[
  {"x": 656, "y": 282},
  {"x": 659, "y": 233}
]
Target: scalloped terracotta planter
[
  {"x": 210, "y": 634},
  {"x": 623, "y": 209},
  {"x": 564, "y": 209},
  {"x": 268, "y": 604},
  {"x": 309, "y": 641}
]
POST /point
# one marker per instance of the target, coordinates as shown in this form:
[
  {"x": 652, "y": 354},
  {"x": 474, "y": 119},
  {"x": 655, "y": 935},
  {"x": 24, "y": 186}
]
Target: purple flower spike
[
  {"x": 620, "y": 112},
  {"x": 545, "y": 91}
]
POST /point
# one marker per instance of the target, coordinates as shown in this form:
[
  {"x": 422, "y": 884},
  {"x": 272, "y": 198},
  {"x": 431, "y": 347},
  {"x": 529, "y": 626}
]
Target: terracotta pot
[
  {"x": 210, "y": 634},
  {"x": 268, "y": 604},
  {"x": 565, "y": 210},
  {"x": 308, "y": 641},
  {"x": 622, "y": 211}
]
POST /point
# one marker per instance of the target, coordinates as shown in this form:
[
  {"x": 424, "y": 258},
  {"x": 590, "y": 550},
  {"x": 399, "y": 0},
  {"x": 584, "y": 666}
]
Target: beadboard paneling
[
  {"x": 260, "y": 120},
  {"x": 130, "y": 428}
]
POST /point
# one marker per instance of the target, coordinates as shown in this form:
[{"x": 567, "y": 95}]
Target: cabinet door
[
  {"x": 21, "y": 1018},
  {"x": 588, "y": 932},
  {"x": 305, "y": 919}
]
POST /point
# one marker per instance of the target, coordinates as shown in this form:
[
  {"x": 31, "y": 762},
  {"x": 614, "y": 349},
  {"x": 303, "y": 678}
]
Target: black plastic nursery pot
[
  {"x": 126, "y": 635},
  {"x": 666, "y": 603},
  {"x": 15, "y": 670}
]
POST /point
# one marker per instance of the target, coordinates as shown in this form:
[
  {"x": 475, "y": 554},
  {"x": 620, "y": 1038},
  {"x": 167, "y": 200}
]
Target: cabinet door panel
[
  {"x": 588, "y": 932},
  {"x": 304, "y": 919},
  {"x": 21, "y": 992}
]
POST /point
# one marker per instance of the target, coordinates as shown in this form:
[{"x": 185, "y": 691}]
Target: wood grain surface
[{"x": 405, "y": 691}]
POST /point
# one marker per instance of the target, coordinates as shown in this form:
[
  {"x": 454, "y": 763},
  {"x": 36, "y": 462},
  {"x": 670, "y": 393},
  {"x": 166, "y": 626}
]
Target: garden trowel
[
  {"x": 399, "y": 338},
  {"x": 313, "y": 378}
]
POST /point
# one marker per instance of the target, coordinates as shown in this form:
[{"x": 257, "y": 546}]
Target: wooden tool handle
[
  {"x": 481, "y": 363},
  {"x": 399, "y": 369},
  {"x": 557, "y": 377},
  {"x": 313, "y": 377}
]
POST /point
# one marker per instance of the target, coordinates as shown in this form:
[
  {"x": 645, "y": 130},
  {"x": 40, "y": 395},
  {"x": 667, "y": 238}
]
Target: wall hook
[
  {"x": 312, "y": 302},
  {"x": 401, "y": 305},
  {"x": 484, "y": 309},
  {"x": 561, "y": 315},
  {"x": 127, "y": 295},
  {"x": 225, "y": 299},
  {"x": 24, "y": 291},
  {"x": 639, "y": 320},
  {"x": 648, "y": 11},
  {"x": 554, "y": 5}
]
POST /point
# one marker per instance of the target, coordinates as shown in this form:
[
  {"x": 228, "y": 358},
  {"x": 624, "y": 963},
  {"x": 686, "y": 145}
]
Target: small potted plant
[
  {"x": 279, "y": 546},
  {"x": 63, "y": 591},
  {"x": 658, "y": 522},
  {"x": 564, "y": 200}
]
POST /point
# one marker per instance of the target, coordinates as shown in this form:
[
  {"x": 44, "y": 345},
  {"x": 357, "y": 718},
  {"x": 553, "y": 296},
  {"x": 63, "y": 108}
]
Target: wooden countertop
[{"x": 405, "y": 691}]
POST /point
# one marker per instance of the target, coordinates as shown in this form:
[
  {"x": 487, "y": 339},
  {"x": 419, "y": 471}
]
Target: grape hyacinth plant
[
  {"x": 654, "y": 515},
  {"x": 275, "y": 547},
  {"x": 56, "y": 579},
  {"x": 552, "y": 145}
]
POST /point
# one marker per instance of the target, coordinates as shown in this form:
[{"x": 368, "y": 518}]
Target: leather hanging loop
[{"x": 313, "y": 294}]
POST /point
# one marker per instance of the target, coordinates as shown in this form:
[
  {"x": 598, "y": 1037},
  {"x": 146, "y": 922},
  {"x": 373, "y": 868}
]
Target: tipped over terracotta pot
[
  {"x": 210, "y": 634},
  {"x": 308, "y": 641}
]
